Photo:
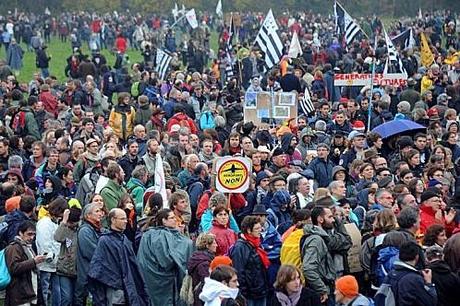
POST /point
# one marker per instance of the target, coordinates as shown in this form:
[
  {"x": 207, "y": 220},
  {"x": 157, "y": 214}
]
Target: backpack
[
  {"x": 387, "y": 294},
  {"x": 382, "y": 262},
  {"x": 291, "y": 249},
  {"x": 207, "y": 121},
  {"x": 135, "y": 89},
  {"x": 19, "y": 124},
  {"x": 5, "y": 277}
]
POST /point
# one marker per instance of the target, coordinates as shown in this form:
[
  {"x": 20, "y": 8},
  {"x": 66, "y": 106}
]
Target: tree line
[{"x": 384, "y": 8}]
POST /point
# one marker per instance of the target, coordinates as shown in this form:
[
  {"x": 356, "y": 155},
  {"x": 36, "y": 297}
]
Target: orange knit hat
[
  {"x": 347, "y": 285},
  {"x": 220, "y": 260}
]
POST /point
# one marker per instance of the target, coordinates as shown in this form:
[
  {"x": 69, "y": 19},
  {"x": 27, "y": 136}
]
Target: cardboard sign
[
  {"x": 355, "y": 250},
  {"x": 265, "y": 109},
  {"x": 233, "y": 174},
  {"x": 363, "y": 79}
]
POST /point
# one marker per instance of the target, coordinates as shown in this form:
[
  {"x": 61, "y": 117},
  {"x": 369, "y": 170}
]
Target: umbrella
[{"x": 396, "y": 127}]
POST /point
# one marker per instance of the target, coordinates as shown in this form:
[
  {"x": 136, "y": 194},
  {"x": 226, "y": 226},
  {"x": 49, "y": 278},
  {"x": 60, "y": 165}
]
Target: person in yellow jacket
[
  {"x": 290, "y": 249},
  {"x": 429, "y": 78},
  {"x": 121, "y": 118}
]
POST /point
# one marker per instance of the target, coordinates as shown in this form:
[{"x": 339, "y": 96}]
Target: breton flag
[
  {"x": 228, "y": 49},
  {"x": 269, "y": 41},
  {"x": 306, "y": 104},
  {"x": 191, "y": 18},
  {"x": 295, "y": 49},
  {"x": 219, "y": 9},
  {"x": 393, "y": 63},
  {"x": 175, "y": 11},
  {"x": 426, "y": 55},
  {"x": 345, "y": 24},
  {"x": 162, "y": 63},
  {"x": 405, "y": 39}
]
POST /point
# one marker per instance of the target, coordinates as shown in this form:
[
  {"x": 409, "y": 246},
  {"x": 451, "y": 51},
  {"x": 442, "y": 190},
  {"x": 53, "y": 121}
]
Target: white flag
[
  {"x": 219, "y": 9},
  {"x": 295, "y": 49},
  {"x": 160, "y": 183},
  {"x": 175, "y": 11},
  {"x": 191, "y": 18},
  {"x": 420, "y": 16}
]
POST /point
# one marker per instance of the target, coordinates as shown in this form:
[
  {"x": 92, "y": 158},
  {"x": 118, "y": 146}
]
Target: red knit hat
[
  {"x": 220, "y": 260},
  {"x": 347, "y": 285}
]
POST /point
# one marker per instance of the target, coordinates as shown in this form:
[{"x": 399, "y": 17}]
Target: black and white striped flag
[
  {"x": 269, "y": 41},
  {"x": 393, "y": 63},
  {"x": 306, "y": 104},
  {"x": 162, "y": 63},
  {"x": 229, "y": 47},
  {"x": 345, "y": 25},
  {"x": 405, "y": 39}
]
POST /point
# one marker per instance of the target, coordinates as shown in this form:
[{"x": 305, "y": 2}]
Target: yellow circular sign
[{"x": 232, "y": 174}]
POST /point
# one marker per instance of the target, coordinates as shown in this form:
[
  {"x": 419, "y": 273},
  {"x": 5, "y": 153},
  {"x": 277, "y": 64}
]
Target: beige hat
[{"x": 263, "y": 149}]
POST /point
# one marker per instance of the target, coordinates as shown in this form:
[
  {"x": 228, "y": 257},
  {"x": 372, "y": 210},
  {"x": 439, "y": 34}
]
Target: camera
[{"x": 49, "y": 257}]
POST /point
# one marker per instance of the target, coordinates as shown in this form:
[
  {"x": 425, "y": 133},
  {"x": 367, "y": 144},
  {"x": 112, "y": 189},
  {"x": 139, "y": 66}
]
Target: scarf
[
  {"x": 288, "y": 300},
  {"x": 255, "y": 242}
]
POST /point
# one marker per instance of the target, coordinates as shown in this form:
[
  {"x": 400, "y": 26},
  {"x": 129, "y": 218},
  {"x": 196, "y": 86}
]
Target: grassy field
[{"x": 59, "y": 52}]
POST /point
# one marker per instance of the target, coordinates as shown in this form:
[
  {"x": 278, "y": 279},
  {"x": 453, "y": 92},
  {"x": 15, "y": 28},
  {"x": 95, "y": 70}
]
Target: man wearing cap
[
  {"x": 358, "y": 141},
  {"x": 431, "y": 212},
  {"x": 278, "y": 160},
  {"x": 347, "y": 292},
  {"x": 322, "y": 166}
]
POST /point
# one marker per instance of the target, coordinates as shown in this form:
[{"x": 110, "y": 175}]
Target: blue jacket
[
  {"x": 206, "y": 222},
  {"x": 409, "y": 287},
  {"x": 114, "y": 265},
  {"x": 322, "y": 170},
  {"x": 14, "y": 219},
  {"x": 280, "y": 218},
  {"x": 195, "y": 188},
  {"x": 347, "y": 158},
  {"x": 271, "y": 241}
]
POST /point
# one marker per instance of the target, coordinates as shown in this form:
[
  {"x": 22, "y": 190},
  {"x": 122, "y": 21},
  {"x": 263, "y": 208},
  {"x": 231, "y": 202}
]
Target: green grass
[{"x": 59, "y": 52}]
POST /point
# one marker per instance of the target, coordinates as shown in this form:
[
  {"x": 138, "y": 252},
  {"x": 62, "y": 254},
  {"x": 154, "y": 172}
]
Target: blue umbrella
[{"x": 395, "y": 127}]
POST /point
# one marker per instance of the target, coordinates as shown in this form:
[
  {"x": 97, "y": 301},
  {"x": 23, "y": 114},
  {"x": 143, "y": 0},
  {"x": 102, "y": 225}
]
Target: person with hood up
[
  {"x": 163, "y": 255},
  {"x": 306, "y": 142},
  {"x": 221, "y": 287},
  {"x": 52, "y": 189},
  {"x": 288, "y": 144},
  {"x": 198, "y": 265},
  {"x": 279, "y": 213},
  {"x": 347, "y": 292},
  {"x": 121, "y": 118}
]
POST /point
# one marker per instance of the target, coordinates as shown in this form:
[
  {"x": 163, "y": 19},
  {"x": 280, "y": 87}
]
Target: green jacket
[
  {"x": 317, "y": 262},
  {"x": 136, "y": 190},
  {"x": 31, "y": 123},
  {"x": 112, "y": 193}
]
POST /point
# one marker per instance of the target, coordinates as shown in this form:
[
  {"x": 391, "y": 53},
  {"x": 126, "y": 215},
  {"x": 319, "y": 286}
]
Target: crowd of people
[{"x": 108, "y": 180}]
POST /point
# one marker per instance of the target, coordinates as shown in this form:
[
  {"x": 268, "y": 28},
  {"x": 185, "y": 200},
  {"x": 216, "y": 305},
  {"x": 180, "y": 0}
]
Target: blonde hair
[
  {"x": 321, "y": 193},
  {"x": 204, "y": 240}
]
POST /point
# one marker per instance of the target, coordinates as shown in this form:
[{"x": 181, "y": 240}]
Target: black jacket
[
  {"x": 42, "y": 60},
  {"x": 252, "y": 275},
  {"x": 446, "y": 283}
]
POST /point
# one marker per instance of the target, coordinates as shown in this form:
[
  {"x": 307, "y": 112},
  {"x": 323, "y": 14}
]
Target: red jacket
[
  {"x": 237, "y": 201},
  {"x": 225, "y": 238},
  {"x": 428, "y": 218},
  {"x": 182, "y": 120},
  {"x": 121, "y": 44},
  {"x": 50, "y": 102}
]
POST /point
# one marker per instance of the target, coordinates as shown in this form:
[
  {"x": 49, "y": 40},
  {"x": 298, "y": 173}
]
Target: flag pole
[
  {"x": 182, "y": 17},
  {"x": 369, "y": 111}
]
